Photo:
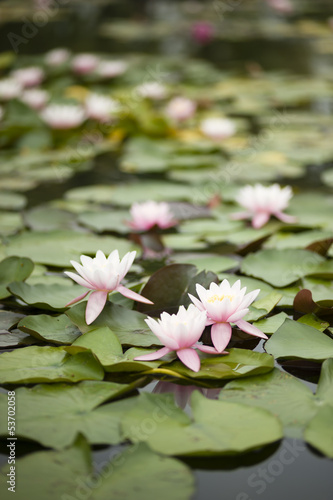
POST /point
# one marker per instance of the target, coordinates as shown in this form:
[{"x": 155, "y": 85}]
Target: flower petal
[
  {"x": 285, "y": 217},
  {"x": 250, "y": 329},
  {"x": 81, "y": 281},
  {"x": 95, "y": 305},
  {"x": 208, "y": 349},
  {"x": 74, "y": 301},
  {"x": 197, "y": 302},
  {"x": 132, "y": 295},
  {"x": 260, "y": 219},
  {"x": 221, "y": 334},
  {"x": 153, "y": 355},
  {"x": 190, "y": 358}
]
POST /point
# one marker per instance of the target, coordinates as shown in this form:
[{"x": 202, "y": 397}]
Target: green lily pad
[
  {"x": 55, "y": 329},
  {"x": 217, "y": 428},
  {"x": 136, "y": 473},
  {"x": 238, "y": 363},
  {"x": 13, "y": 269},
  {"x": 206, "y": 261},
  {"x": 297, "y": 340},
  {"x": 44, "y": 218},
  {"x": 10, "y": 223},
  {"x": 280, "y": 267},
  {"x": 319, "y": 432},
  {"x": 70, "y": 410},
  {"x": 32, "y": 364},
  {"x": 271, "y": 324},
  {"x": 290, "y": 400},
  {"x": 168, "y": 288},
  {"x": 12, "y": 201},
  {"x": 106, "y": 220},
  {"x": 128, "y": 325},
  {"x": 58, "y": 248},
  {"x": 53, "y": 297}
]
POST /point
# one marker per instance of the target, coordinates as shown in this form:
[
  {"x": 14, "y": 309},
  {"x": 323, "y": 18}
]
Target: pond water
[{"x": 254, "y": 423}]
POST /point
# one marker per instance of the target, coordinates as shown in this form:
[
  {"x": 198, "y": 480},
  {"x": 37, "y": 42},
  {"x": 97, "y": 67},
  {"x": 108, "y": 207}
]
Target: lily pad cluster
[{"x": 75, "y": 190}]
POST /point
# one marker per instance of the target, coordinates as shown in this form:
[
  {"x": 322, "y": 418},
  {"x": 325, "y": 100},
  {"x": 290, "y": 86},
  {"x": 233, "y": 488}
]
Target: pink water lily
[
  {"x": 180, "y": 332},
  {"x": 225, "y": 304},
  {"x": 149, "y": 214},
  {"x": 102, "y": 275},
  {"x": 261, "y": 202}
]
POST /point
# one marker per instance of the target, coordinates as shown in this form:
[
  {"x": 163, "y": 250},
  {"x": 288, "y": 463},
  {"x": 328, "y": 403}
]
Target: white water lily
[
  {"x": 101, "y": 107},
  {"x": 111, "y": 69},
  {"x": 217, "y": 128},
  {"x": 35, "y": 98},
  {"x": 83, "y": 64},
  {"x": 180, "y": 332},
  {"x": 10, "y": 89},
  {"x": 152, "y": 90},
  {"x": 56, "y": 57},
  {"x": 102, "y": 275},
  {"x": 149, "y": 214},
  {"x": 180, "y": 108},
  {"x": 226, "y": 304},
  {"x": 63, "y": 116},
  {"x": 261, "y": 202},
  {"x": 29, "y": 77}
]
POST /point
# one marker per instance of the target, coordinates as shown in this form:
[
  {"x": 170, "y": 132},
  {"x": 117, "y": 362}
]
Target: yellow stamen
[{"x": 214, "y": 298}]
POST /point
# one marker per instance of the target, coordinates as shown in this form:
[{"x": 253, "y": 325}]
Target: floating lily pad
[
  {"x": 72, "y": 410},
  {"x": 218, "y": 427},
  {"x": 53, "y": 297},
  {"x": 297, "y": 340},
  {"x": 55, "y": 329},
  {"x": 281, "y": 267},
  {"x": 32, "y": 364},
  {"x": 136, "y": 473},
  {"x": 58, "y": 248},
  {"x": 13, "y": 269}
]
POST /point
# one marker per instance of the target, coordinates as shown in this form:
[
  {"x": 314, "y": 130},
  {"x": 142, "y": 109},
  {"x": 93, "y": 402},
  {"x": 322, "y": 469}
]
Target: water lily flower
[
  {"x": 149, "y": 214},
  {"x": 10, "y": 89},
  {"x": 152, "y": 90},
  {"x": 111, "y": 69},
  {"x": 217, "y": 128},
  {"x": 29, "y": 77},
  {"x": 225, "y": 304},
  {"x": 101, "y": 107},
  {"x": 261, "y": 202},
  {"x": 56, "y": 57},
  {"x": 35, "y": 98},
  {"x": 179, "y": 332},
  {"x": 83, "y": 64},
  {"x": 180, "y": 109},
  {"x": 102, "y": 275},
  {"x": 202, "y": 32},
  {"x": 63, "y": 116},
  {"x": 283, "y": 6}
]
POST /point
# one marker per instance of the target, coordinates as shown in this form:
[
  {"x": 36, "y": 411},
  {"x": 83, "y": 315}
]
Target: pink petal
[
  {"x": 190, "y": 358},
  {"x": 153, "y": 355},
  {"x": 285, "y": 217},
  {"x": 74, "y": 301},
  {"x": 250, "y": 329},
  {"x": 197, "y": 302},
  {"x": 81, "y": 281},
  {"x": 132, "y": 295},
  {"x": 237, "y": 315},
  {"x": 95, "y": 305},
  {"x": 221, "y": 335},
  {"x": 208, "y": 349},
  {"x": 260, "y": 219}
]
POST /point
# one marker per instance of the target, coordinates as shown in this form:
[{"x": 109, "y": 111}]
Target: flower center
[{"x": 214, "y": 298}]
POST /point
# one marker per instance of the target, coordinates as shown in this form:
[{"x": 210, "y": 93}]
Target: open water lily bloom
[
  {"x": 102, "y": 275},
  {"x": 225, "y": 304},
  {"x": 63, "y": 116},
  {"x": 149, "y": 214},
  {"x": 261, "y": 202},
  {"x": 180, "y": 333}
]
